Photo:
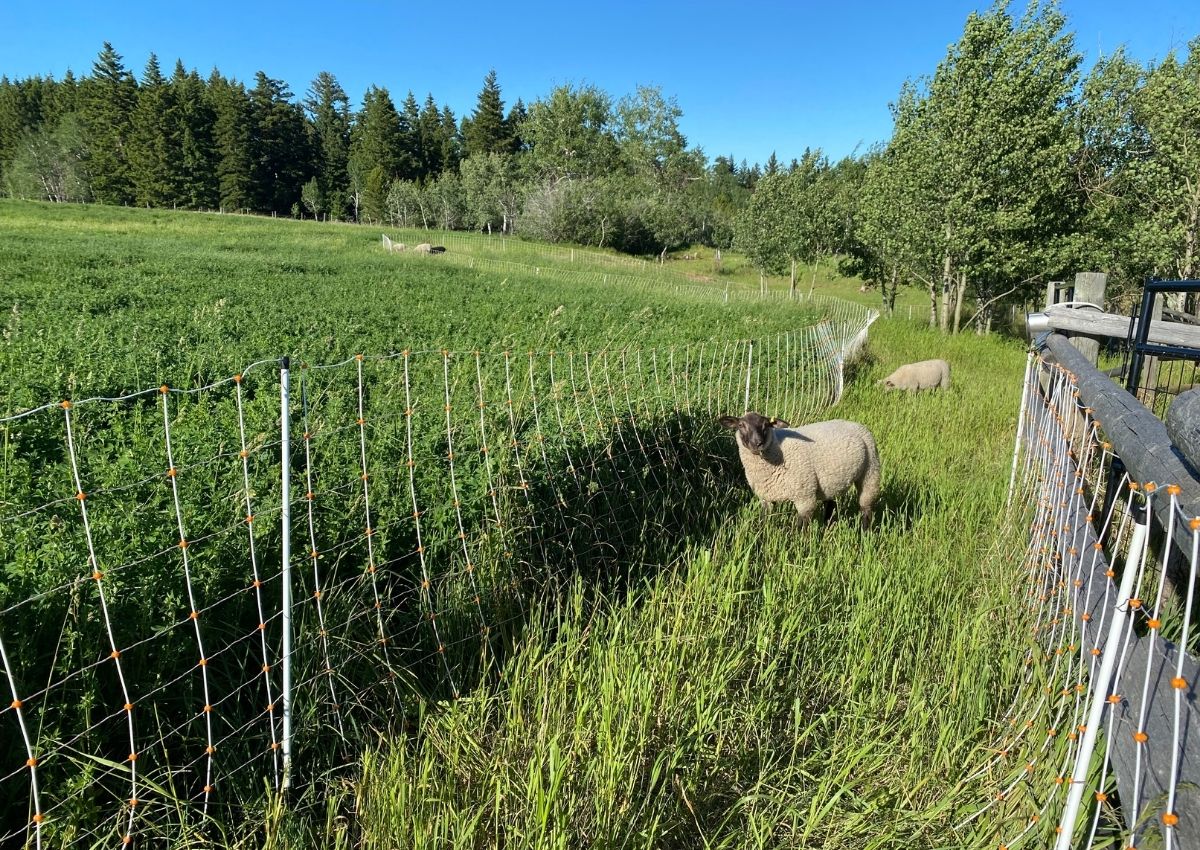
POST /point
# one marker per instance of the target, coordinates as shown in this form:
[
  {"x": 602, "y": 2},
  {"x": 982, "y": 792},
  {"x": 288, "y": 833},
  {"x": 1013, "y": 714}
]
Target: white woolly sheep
[
  {"x": 809, "y": 465},
  {"x": 925, "y": 375}
]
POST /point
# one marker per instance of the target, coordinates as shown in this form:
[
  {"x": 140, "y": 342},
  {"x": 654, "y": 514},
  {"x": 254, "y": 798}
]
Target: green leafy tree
[
  {"x": 442, "y": 202},
  {"x": 768, "y": 230},
  {"x": 313, "y": 198},
  {"x": 987, "y": 155},
  {"x": 1164, "y": 182},
  {"x": 107, "y": 100},
  {"x": 1108, "y": 137},
  {"x": 404, "y": 204},
  {"x": 48, "y": 163},
  {"x": 491, "y": 191},
  {"x": 570, "y": 134}
]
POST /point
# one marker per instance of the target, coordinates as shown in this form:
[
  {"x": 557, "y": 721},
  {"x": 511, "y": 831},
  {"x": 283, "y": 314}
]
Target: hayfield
[{"x": 692, "y": 674}]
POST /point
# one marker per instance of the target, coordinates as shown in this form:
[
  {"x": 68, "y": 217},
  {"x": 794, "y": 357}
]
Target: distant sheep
[
  {"x": 809, "y": 465},
  {"x": 925, "y": 375},
  {"x": 423, "y": 248}
]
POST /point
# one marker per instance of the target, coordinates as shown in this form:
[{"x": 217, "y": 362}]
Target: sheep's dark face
[{"x": 756, "y": 432}]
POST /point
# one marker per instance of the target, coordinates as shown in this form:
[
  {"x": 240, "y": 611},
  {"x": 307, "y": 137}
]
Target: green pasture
[{"x": 732, "y": 681}]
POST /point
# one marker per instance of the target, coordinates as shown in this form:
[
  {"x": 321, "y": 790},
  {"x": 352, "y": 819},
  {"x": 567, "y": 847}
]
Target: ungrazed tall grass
[
  {"x": 769, "y": 687},
  {"x": 822, "y": 687}
]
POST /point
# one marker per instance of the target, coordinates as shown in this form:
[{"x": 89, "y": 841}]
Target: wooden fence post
[{"x": 1089, "y": 288}]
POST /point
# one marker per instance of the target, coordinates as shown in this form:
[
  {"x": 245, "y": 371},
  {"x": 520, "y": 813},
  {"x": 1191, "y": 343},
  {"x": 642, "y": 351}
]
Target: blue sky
[{"x": 751, "y": 77}]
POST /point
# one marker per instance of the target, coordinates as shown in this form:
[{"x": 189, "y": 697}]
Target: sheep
[
  {"x": 423, "y": 248},
  {"x": 925, "y": 375},
  {"x": 808, "y": 465}
]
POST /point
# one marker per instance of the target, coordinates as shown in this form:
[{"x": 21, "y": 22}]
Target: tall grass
[
  {"x": 763, "y": 686},
  {"x": 823, "y": 687}
]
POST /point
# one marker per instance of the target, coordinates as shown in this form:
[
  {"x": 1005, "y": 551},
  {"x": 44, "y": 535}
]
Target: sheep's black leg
[{"x": 830, "y": 510}]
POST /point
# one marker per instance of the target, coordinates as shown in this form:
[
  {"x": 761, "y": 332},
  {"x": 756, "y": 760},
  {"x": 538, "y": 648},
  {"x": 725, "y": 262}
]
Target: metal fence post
[{"x": 286, "y": 572}]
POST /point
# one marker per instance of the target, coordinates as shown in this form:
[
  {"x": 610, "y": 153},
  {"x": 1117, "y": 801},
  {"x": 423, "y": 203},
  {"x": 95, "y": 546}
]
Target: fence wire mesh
[
  {"x": 1095, "y": 744},
  {"x": 435, "y": 496}
]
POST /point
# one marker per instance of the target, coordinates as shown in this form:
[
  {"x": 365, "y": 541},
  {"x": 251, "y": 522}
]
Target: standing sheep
[
  {"x": 925, "y": 375},
  {"x": 809, "y": 465}
]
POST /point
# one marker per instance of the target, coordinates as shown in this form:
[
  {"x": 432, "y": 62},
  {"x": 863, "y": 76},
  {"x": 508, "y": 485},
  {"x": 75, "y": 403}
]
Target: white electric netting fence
[
  {"x": 208, "y": 589},
  {"x": 1096, "y": 737}
]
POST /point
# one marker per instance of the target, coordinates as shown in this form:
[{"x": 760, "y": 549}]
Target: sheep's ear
[
  {"x": 730, "y": 421},
  {"x": 781, "y": 423}
]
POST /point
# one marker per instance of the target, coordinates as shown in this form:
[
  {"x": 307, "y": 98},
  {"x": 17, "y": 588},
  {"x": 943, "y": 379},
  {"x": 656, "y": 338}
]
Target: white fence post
[
  {"x": 1100, "y": 685},
  {"x": 1025, "y": 393},
  {"x": 749, "y": 368},
  {"x": 286, "y": 556}
]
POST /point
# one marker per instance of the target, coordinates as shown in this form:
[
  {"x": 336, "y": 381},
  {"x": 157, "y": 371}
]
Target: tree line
[
  {"x": 575, "y": 166},
  {"x": 1007, "y": 166}
]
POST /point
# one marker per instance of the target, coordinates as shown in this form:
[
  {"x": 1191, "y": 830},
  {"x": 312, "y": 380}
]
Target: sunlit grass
[{"x": 768, "y": 687}]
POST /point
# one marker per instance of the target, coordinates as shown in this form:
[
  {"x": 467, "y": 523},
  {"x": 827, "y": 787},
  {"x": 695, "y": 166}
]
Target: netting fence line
[
  {"x": 1096, "y": 750},
  {"x": 509, "y": 246},
  {"x": 412, "y": 505},
  {"x": 661, "y": 282}
]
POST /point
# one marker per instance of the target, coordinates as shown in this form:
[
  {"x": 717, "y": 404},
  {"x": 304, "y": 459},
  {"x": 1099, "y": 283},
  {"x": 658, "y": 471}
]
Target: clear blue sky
[{"x": 751, "y": 77}]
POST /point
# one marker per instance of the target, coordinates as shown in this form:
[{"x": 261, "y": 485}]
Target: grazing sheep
[
  {"x": 925, "y": 375},
  {"x": 809, "y": 465},
  {"x": 423, "y": 248}
]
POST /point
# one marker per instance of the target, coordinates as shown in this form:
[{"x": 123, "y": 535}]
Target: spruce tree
[
  {"x": 231, "y": 140},
  {"x": 429, "y": 134},
  {"x": 450, "y": 141},
  {"x": 410, "y": 161},
  {"x": 376, "y": 139},
  {"x": 280, "y": 157},
  {"x": 155, "y": 149},
  {"x": 108, "y": 98},
  {"x": 486, "y": 131},
  {"x": 328, "y": 110},
  {"x": 516, "y": 123},
  {"x": 198, "y": 185}
]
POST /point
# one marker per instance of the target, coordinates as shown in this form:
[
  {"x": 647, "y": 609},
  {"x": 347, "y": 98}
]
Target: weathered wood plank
[
  {"x": 1137, "y": 436},
  {"x": 1095, "y": 323},
  {"x": 1183, "y": 426}
]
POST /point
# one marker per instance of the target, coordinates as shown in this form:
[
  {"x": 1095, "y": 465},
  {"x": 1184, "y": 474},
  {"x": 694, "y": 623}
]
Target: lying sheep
[
  {"x": 925, "y": 375},
  {"x": 809, "y": 465}
]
